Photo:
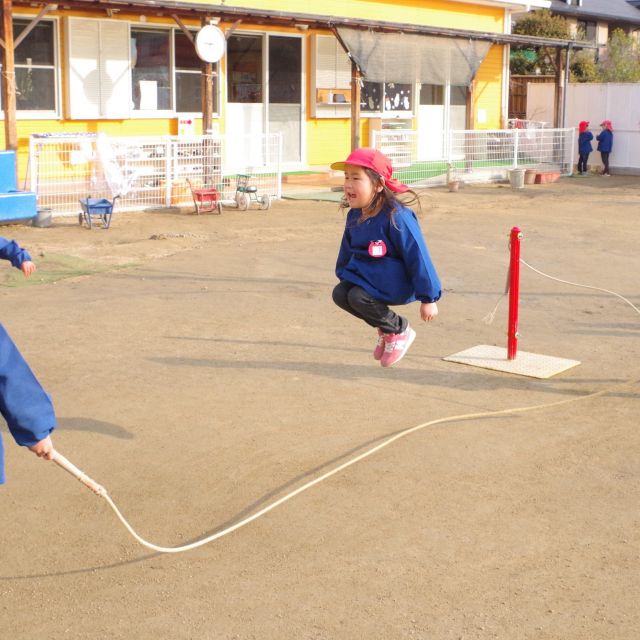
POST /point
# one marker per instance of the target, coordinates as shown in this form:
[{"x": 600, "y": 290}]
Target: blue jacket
[
  {"x": 404, "y": 274},
  {"x": 605, "y": 140},
  {"x": 9, "y": 250},
  {"x": 24, "y": 404},
  {"x": 584, "y": 142}
]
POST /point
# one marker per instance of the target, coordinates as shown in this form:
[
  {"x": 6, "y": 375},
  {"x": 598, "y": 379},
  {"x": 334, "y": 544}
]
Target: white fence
[
  {"x": 618, "y": 102},
  {"x": 146, "y": 172},
  {"x": 477, "y": 156}
]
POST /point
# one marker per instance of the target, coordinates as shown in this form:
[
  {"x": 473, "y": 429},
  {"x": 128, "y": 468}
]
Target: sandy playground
[{"x": 200, "y": 371}]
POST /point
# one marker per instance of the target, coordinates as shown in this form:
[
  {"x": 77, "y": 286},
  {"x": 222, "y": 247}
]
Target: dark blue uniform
[{"x": 24, "y": 404}]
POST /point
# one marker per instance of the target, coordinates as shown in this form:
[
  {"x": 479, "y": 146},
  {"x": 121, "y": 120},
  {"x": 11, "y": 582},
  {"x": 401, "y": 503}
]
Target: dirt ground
[{"x": 200, "y": 371}]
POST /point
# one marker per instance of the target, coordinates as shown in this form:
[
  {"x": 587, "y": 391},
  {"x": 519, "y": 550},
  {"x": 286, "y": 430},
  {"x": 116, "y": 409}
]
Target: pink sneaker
[
  {"x": 396, "y": 345},
  {"x": 379, "y": 350}
]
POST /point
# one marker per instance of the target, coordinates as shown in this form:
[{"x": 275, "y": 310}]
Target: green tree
[
  {"x": 583, "y": 67},
  {"x": 544, "y": 25},
  {"x": 621, "y": 61}
]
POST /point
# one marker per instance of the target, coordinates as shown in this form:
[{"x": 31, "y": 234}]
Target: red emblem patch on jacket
[{"x": 377, "y": 248}]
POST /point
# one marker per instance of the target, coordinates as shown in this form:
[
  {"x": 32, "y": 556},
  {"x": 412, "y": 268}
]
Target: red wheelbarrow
[{"x": 205, "y": 199}]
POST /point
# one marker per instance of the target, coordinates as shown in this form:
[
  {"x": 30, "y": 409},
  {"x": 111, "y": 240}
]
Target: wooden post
[
  {"x": 557, "y": 107},
  {"x": 355, "y": 106},
  {"x": 206, "y": 84},
  {"x": 8, "y": 78}
]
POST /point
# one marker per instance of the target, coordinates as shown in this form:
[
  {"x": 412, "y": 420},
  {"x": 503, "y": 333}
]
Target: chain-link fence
[
  {"x": 477, "y": 156},
  {"x": 145, "y": 172}
]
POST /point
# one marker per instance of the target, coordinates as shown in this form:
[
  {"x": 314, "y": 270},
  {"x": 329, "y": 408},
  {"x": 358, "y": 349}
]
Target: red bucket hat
[
  {"x": 608, "y": 124},
  {"x": 583, "y": 126},
  {"x": 376, "y": 161}
]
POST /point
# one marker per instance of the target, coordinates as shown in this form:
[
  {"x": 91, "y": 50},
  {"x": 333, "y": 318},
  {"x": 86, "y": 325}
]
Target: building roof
[
  {"x": 297, "y": 18},
  {"x": 605, "y": 10}
]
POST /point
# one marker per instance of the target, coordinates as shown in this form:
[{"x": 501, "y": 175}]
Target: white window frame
[
  {"x": 216, "y": 69},
  {"x": 138, "y": 114},
  {"x": 120, "y": 111},
  {"x": 337, "y": 74},
  {"x": 31, "y": 114}
]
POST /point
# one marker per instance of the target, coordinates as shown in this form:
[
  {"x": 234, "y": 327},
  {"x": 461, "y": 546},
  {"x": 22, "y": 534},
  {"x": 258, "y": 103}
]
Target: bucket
[
  {"x": 516, "y": 178},
  {"x": 43, "y": 218},
  {"x": 454, "y": 185},
  {"x": 530, "y": 176}
]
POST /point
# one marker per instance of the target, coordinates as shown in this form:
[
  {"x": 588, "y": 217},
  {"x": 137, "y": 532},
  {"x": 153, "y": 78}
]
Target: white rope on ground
[{"x": 102, "y": 492}]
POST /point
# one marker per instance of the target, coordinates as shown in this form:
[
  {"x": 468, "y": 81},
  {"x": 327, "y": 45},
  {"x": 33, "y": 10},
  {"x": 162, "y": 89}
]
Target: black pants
[
  {"x": 582, "y": 162},
  {"x": 605, "y": 161},
  {"x": 356, "y": 301}
]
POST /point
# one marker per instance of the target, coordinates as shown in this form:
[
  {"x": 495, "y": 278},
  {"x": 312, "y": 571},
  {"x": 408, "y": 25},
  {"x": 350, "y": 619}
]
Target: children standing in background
[
  {"x": 383, "y": 259},
  {"x": 584, "y": 147},
  {"x": 605, "y": 144},
  {"x": 24, "y": 404}
]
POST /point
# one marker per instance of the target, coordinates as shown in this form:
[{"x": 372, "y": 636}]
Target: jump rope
[{"x": 99, "y": 490}]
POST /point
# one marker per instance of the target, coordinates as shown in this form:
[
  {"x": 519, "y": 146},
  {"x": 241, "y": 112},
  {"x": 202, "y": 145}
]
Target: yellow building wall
[
  {"x": 438, "y": 13},
  {"x": 487, "y": 95},
  {"x": 326, "y": 139}
]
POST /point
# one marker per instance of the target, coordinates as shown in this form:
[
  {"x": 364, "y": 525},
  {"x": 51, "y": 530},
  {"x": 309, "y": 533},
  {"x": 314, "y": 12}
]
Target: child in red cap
[
  {"x": 605, "y": 144},
  {"x": 584, "y": 147},
  {"x": 383, "y": 259}
]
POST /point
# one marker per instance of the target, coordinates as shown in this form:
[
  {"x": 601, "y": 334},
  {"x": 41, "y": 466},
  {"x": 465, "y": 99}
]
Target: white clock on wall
[{"x": 210, "y": 43}]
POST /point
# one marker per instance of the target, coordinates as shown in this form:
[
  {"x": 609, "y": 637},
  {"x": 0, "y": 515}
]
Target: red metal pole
[{"x": 514, "y": 293}]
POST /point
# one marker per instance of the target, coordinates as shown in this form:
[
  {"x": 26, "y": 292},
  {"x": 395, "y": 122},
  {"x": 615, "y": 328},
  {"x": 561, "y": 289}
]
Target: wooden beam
[
  {"x": 8, "y": 77},
  {"x": 232, "y": 28},
  {"x": 184, "y": 29},
  {"x": 29, "y": 28},
  {"x": 355, "y": 106}
]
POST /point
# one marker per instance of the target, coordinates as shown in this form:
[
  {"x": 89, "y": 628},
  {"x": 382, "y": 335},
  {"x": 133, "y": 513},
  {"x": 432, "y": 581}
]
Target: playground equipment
[
  {"x": 246, "y": 193},
  {"x": 100, "y": 208},
  {"x": 205, "y": 199}
]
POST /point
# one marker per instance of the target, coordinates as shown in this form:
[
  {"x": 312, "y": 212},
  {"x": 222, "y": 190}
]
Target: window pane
[
  {"x": 458, "y": 96},
  {"x": 150, "y": 70},
  {"x": 35, "y": 89},
  {"x": 244, "y": 64},
  {"x": 188, "y": 92},
  {"x": 397, "y": 97},
  {"x": 285, "y": 64},
  {"x": 371, "y": 96},
  {"x": 432, "y": 94},
  {"x": 186, "y": 58},
  {"x": 37, "y": 47}
]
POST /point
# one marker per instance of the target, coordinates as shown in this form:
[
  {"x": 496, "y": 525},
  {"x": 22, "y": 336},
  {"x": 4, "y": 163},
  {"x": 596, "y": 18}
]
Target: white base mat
[{"x": 524, "y": 364}]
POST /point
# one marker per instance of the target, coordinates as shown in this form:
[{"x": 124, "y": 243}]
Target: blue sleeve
[
  {"x": 10, "y": 250},
  {"x": 409, "y": 241},
  {"x": 344, "y": 254},
  {"x": 24, "y": 404}
]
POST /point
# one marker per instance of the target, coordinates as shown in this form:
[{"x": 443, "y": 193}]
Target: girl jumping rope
[{"x": 383, "y": 259}]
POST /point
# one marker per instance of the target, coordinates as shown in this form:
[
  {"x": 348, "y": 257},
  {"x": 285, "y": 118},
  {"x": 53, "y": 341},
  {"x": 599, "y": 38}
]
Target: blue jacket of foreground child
[
  {"x": 24, "y": 404},
  {"x": 404, "y": 274},
  {"x": 11, "y": 251}
]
